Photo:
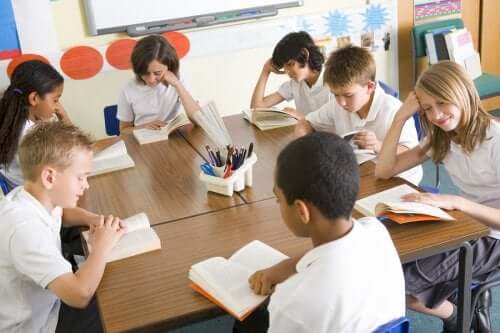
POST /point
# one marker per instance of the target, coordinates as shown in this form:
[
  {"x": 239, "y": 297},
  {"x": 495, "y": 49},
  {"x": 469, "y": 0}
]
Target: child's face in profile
[
  {"x": 440, "y": 113},
  {"x": 354, "y": 97},
  {"x": 155, "y": 73},
  {"x": 43, "y": 108},
  {"x": 296, "y": 71},
  {"x": 289, "y": 214},
  {"x": 70, "y": 182}
]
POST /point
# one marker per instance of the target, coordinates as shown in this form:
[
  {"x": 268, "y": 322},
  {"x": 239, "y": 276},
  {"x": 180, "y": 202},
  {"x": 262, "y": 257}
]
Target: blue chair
[
  {"x": 400, "y": 325},
  {"x": 4, "y": 185},
  {"x": 111, "y": 123}
]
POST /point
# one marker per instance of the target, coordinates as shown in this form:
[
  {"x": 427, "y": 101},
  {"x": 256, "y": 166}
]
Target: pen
[
  {"x": 212, "y": 160},
  {"x": 250, "y": 149}
]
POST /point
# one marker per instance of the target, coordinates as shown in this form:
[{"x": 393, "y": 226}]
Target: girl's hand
[
  {"x": 270, "y": 68},
  {"x": 62, "y": 115},
  {"x": 365, "y": 139},
  {"x": 154, "y": 125},
  {"x": 409, "y": 107},
  {"x": 170, "y": 78},
  {"x": 448, "y": 202},
  {"x": 294, "y": 113}
]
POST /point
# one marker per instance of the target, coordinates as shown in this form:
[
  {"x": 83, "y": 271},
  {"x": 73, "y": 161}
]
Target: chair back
[
  {"x": 111, "y": 123},
  {"x": 4, "y": 185},
  {"x": 400, "y": 325},
  {"x": 388, "y": 89}
]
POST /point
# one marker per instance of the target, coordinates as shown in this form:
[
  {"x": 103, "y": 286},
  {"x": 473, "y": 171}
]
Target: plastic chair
[
  {"x": 487, "y": 85},
  {"x": 4, "y": 185},
  {"x": 111, "y": 123},
  {"x": 400, "y": 325}
]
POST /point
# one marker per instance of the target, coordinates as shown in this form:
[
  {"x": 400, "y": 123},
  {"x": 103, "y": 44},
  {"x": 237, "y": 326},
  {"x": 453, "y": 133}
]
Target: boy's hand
[
  {"x": 448, "y": 202},
  {"x": 170, "y": 78},
  {"x": 154, "y": 125},
  {"x": 270, "y": 68},
  {"x": 409, "y": 107},
  {"x": 105, "y": 237},
  {"x": 262, "y": 282},
  {"x": 365, "y": 139}
]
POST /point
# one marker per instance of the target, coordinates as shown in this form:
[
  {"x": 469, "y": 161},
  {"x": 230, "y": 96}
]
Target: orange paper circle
[
  {"x": 23, "y": 58},
  {"x": 81, "y": 62},
  {"x": 118, "y": 53},
  {"x": 179, "y": 41}
]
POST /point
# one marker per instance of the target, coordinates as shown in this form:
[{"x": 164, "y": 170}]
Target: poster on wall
[
  {"x": 429, "y": 10},
  {"x": 9, "y": 43}
]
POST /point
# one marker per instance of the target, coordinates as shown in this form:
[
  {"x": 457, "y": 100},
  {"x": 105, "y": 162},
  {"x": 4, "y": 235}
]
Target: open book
[
  {"x": 225, "y": 281},
  {"x": 140, "y": 238},
  {"x": 146, "y": 135},
  {"x": 362, "y": 155},
  {"x": 269, "y": 118},
  {"x": 113, "y": 158},
  {"x": 388, "y": 204}
]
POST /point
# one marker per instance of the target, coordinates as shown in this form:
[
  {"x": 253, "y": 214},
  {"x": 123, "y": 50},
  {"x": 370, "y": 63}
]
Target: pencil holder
[{"x": 237, "y": 182}]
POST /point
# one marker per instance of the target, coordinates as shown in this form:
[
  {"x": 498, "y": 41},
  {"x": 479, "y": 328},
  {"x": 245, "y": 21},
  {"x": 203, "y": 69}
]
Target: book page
[
  {"x": 135, "y": 242},
  {"x": 180, "y": 120},
  {"x": 137, "y": 222},
  {"x": 257, "y": 255},
  {"x": 111, "y": 164},
  {"x": 412, "y": 208},
  {"x": 367, "y": 205},
  {"x": 227, "y": 282},
  {"x": 146, "y": 135},
  {"x": 116, "y": 149}
]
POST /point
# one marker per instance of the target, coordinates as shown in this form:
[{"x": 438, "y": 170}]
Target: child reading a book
[
  {"x": 33, "y": 95},
  {"x": 297, "y": 56},
  {"x": 327, "y": 289},
  {"x": 157, "y": 93},
  {"x": 360, "y": 104},
  {"x": 466, "y": 140},
  {"x": 55, "y": 160}
]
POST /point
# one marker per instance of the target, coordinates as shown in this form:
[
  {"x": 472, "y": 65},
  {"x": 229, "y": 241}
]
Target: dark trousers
[
  {"x": 257, "y": 322},
  {"x": 72, "y": 320}
]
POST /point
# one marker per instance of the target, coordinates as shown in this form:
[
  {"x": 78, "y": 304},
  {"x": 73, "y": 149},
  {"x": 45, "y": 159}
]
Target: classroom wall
[{"x": 226, "y": 78}]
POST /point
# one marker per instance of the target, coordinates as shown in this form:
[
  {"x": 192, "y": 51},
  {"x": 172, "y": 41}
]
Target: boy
[
  {"x": 352, "y": 280},
  {"x": 360, "y": 104},
  {"x": 55, "y": 160}
]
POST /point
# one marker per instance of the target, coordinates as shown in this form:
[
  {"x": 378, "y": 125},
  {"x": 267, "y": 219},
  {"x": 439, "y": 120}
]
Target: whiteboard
[{"x": 106, "y": 16}]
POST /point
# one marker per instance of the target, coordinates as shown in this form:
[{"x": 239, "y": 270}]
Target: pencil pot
[{"x": 240, "y": 178}]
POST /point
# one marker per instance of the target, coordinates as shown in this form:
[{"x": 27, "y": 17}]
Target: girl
[
  {"x": 33, "y": 95},
  {"x": 302, "y": 61},
  {"x": 462, "y": 136},
  {"x": 157, "y": 93}
]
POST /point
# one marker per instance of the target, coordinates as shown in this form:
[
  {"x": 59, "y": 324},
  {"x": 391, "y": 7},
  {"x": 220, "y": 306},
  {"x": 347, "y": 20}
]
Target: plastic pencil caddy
[{"x": 240, "y": 178}]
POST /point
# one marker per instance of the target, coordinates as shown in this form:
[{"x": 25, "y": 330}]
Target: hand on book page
[
  {"x": 444, "y": 201},
  {"x": 148, "y": 135},
  {"x": 391, "y": 201},
  {"x": 139, "y": 238},
  {"x": 225, "y": 281}
]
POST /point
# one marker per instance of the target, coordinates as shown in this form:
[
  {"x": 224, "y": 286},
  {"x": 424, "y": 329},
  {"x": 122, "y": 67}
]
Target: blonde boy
[
  {"x": 359, "y": 104},
  {"x": 55, "y": 160}
]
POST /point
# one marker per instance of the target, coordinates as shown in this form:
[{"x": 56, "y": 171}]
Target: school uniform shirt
[
  {"x": 353, "y": 284},
  {"x": 140, "y": 104},
  {"x": 477, "y": 175},
  {"x": 30, "y": 258},
  {"x": 13, "y": 171},
  {"x": 331, "y": 117},
  {"x": 307, "y": 99}
]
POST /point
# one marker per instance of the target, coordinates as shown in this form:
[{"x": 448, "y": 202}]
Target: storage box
[{"x": 235, "y": 183}]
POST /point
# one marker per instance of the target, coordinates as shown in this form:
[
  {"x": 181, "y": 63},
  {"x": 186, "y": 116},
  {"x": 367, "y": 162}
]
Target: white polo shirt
[
  {"x": 140, "y": 104},
  {"x": 307, "y": 99},
  {"x": 13, "y": 172},
  {"x": 331, "y": 117},
  {"x": 353, "y": 284},
  {"x": 477, "y": 175},
  {"x": 30, "y": 258}
]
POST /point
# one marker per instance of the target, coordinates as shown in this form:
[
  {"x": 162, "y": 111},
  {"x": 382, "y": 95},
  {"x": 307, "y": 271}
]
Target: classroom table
[
  {"x": 150, "y": 292},
  {"x": 164, "y": 184}
]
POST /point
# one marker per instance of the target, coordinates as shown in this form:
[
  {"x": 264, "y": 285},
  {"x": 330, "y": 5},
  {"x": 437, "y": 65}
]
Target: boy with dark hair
[
  {"x": 352, "y": 280},
  {"x": 55, "y": 160},
  {"x": 359, "y": 104},
  {"x": 300, "y": 58}
]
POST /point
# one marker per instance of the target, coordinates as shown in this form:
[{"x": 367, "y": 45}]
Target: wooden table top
[
  {"x": 164, "y": 184},
  {"x": 150, "y": 292}
]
